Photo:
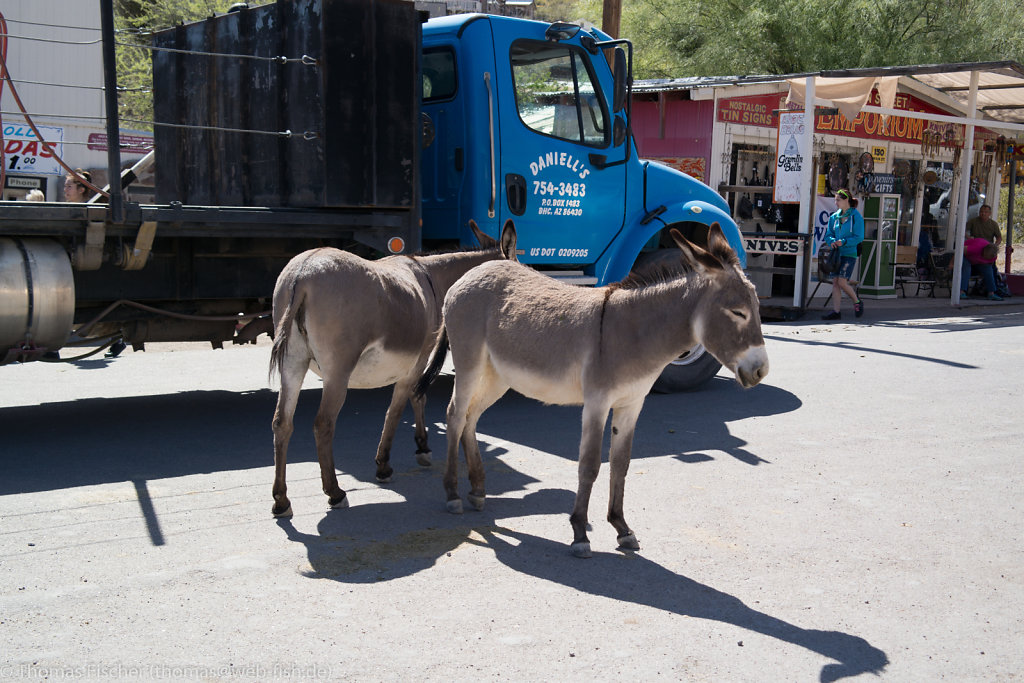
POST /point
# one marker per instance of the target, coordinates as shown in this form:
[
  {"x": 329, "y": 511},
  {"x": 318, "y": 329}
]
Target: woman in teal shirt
[{"x": 845, "y": 230}]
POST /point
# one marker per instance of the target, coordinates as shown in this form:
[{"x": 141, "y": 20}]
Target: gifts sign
[{"x": 791, "y": 159}]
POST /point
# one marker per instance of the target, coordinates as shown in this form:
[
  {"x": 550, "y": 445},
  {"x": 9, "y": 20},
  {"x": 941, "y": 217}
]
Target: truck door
[
  {"x": 554, "y": 115},
  {"x": 442, "y": 159}
]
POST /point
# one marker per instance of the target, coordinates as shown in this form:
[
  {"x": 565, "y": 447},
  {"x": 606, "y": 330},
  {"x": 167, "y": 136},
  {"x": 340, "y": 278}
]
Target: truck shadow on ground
[
  {"x": 103, "y": 440},
  {"x": 687, "y": 426},
  {"x": 397, "y": 547}
]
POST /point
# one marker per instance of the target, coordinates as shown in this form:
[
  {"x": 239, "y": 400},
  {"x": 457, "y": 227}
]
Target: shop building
[{"x": 725, "y": 131}]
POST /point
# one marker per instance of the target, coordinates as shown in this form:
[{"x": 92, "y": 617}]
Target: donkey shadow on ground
[
  {"x": 387, "y": 541},
  {"x": 409, "y": 537},
  {"x": 629, "y": 577}
]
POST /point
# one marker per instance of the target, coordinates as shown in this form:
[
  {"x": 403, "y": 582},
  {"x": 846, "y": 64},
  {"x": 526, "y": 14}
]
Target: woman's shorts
[{"x": 846, "y": 264}]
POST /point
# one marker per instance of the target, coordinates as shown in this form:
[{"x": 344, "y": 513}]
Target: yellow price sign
[{"x": 878, "y": 154}]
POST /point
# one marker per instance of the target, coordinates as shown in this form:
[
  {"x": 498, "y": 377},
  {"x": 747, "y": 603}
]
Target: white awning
[{"x": 849, "y": 95}]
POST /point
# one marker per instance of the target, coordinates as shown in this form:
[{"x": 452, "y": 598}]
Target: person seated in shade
[
  {"x": 984, "y": 227},
  {"x": 979, "y": 257}
]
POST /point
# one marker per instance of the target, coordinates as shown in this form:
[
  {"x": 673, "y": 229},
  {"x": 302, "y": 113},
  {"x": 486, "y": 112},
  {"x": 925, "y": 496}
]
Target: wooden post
[{"x": 610, "y": 17}]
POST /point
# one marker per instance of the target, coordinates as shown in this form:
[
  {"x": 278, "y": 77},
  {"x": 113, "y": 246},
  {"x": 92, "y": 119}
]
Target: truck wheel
[{"x": 688, "y": 372}]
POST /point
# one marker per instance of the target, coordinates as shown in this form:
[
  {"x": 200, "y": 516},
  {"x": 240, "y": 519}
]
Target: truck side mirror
[
  {"x": 621, "y": 77},
  {"x": 619, "y": 131}
]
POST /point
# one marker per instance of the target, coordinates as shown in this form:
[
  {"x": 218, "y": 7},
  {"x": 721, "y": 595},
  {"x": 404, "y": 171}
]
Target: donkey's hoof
[
  {"x": 287, "y": 512},
  {"x": 424, "y": 459},
  {"x": 581, "y": 549},
  {"x": 338, "y": 503},
  {"x": 476, "y": 501},
  {"x": 628, "y": 542},
  {"x": 385, "y": 477},
  {"x": 454, "y": 506}
]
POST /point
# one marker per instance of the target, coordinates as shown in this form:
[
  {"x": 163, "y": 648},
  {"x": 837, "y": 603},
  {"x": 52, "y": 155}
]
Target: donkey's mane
[
  {"x": 653, "y": 274},
  {"x": 450, "y": 250}
]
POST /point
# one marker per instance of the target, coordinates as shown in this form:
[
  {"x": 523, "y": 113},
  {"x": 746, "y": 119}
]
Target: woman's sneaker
[
  {"x": 992, "y": 296},
  {"x": 834, "y": 315},
  {"x": 858, "y": 309}
]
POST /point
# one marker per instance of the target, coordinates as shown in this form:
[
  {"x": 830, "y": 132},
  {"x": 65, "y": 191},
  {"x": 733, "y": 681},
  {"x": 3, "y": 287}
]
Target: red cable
[{"x": 3, "y": 145}]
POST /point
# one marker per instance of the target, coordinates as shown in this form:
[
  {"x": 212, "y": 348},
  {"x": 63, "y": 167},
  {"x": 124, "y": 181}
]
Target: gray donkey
[
  {"x": 360, "y": 324},
  {"x": 511, "y": 327}
]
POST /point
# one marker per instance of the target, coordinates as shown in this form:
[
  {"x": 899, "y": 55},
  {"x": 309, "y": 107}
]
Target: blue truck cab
[{"x": 529, "y": 121}]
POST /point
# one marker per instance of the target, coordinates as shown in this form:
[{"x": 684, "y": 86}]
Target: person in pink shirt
[{"x": 979, "y": 257}]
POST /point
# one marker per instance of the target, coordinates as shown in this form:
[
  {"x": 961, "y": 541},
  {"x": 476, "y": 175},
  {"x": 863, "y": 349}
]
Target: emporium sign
[{"x": 757, "y": 110}]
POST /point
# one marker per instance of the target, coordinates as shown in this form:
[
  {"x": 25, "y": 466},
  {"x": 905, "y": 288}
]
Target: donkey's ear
[
  {"x": 485, "y": 240},
  {"x": 696, "y": 257},
  {"x": 720, "y": 247},
  {"x": 508, "y": 241}
]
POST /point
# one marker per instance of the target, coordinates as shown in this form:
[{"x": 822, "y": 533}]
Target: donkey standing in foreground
[
  {"x": 360, "y": 324},
  {"x": 511, "y": 327}
]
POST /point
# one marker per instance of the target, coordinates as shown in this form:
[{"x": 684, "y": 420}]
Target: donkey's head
[{"x": 727, "y": 319}]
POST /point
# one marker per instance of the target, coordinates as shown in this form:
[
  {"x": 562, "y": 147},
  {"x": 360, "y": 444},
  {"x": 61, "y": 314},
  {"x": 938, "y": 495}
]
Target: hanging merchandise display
[
  {"x": 865, "y": 171},
  {"x": 837, "y": 173}
]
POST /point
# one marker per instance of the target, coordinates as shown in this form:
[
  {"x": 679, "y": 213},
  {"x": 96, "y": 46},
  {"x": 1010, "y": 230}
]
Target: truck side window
[
  {"x": 556, "y": 94},
  {"x": 439, "y": 81}
]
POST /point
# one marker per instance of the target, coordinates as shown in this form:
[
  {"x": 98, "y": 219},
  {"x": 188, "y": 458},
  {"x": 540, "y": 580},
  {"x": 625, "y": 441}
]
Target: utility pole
[{"x": 610, "y": 17}]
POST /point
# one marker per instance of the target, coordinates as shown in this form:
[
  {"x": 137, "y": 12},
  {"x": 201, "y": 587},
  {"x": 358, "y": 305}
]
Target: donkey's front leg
[
  {"x": 401, "y": 394},
  {"x": 589, "y": 466},
  {"x": 623, "y": 425}
]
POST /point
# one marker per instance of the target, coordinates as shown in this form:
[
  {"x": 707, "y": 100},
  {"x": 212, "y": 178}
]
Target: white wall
[{"x": 78, "y": 61}]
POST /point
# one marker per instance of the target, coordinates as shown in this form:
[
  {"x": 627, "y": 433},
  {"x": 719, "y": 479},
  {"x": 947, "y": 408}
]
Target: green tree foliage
[
  {"x": 1017, "y": 231},
  {"x": 676, "y": 38},
  {"x": 559, "y": 10},
  {"x": 134, "y": 20}
]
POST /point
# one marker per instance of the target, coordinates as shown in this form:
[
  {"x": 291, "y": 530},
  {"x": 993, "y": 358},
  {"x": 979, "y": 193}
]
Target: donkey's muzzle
[{"x": 752, "y": 367}]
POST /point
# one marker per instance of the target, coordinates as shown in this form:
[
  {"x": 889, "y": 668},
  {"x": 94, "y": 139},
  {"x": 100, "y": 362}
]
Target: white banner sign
[
  {"x": 791, "y": 158},
  {"x": 823, "y": 208},
  {"x": 24, "y": 153}
]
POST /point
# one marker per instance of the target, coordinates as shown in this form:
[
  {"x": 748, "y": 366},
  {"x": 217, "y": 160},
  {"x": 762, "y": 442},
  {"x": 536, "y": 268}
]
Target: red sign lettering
[{"x": 756, "y": 110}]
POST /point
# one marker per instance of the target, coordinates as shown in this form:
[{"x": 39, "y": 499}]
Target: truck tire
[{"x": 688, "y": 372}]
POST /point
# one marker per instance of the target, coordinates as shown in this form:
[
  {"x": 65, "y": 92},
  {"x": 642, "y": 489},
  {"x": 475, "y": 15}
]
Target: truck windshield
[{"x": 556, "y": 94}]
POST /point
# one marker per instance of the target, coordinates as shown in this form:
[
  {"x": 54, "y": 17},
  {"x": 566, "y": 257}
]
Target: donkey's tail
[
  {"x": 437, "y": 356},
  {"x": 283, "y": 331}
]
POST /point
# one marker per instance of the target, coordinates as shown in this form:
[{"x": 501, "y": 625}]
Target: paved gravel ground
[{"x": 858, "y": 515}]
